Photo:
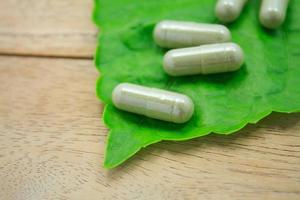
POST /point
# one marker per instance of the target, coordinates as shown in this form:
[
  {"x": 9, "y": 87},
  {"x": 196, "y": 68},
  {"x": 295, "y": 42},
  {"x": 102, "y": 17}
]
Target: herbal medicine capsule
[
  {"x": 272, "y": 13},
  {"x": 206, "y": 59},
  {"x": 153, "y": 103},
  {"x": 178, "y": 34},
  {"x": 229, "y": 10}
]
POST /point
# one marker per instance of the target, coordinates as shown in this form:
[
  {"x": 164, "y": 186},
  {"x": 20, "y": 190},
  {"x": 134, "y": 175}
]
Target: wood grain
[
  {"x": 47, "y": 28},
  {"x": 52, "y": 142}
]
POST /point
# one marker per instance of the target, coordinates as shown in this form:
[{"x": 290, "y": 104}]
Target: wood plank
[
  {"x": 52, "y": 142},
  {"x": 48, "y": 28}
]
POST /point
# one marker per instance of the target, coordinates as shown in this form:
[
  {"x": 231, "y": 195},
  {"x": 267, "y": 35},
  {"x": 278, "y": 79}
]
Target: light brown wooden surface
[
  {"x": 52, "y": 142},
  {"x": 52, "y": 138},
  {"x": 47, "y": 27}
]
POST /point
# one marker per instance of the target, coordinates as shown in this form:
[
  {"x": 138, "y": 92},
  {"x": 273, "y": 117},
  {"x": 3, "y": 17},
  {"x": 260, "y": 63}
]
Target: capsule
[
  {"x": 229, "y": 10},
  {"x": 178, "y": 34},
  {"x": 272, "y": 13},
  {"x": 153, "y": 103},
  {"x": 206, "y": 59}
]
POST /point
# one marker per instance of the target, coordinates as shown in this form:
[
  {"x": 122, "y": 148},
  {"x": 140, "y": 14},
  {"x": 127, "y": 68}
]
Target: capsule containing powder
[
  {"x": 272, "y": 13},
  {"x": 178, "y": 34},
  {"x": 229, "y": 10},
  {"x": 154, "y": 103},
  {"x": 206, "y": 59}
]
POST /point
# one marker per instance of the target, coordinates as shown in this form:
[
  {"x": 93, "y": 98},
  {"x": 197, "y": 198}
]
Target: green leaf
[{"x": 224, "y": 103}]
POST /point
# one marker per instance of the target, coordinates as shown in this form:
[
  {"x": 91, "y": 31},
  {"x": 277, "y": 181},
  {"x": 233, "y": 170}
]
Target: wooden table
[{"x": 52, "y": 138}]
